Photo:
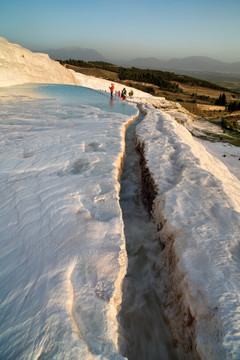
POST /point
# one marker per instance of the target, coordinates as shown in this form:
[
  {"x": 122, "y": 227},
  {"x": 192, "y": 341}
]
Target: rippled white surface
[{"x": 61, "y": 234}]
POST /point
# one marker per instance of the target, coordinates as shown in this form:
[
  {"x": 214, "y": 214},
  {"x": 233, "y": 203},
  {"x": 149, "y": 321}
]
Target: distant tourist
[
  {"x": 124, "y": 94},
  {"x": 111, "y": 90}
]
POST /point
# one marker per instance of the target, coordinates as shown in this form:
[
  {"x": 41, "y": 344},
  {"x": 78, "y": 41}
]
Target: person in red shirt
[{"x": 111, "y": 90}]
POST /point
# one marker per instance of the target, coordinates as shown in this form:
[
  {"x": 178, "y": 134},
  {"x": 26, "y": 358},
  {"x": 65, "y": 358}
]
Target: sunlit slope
[{"x": 19, "y": 65}]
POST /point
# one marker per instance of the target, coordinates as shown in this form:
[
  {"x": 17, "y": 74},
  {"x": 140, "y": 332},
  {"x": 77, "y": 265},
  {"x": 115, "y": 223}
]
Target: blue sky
[{"x": 124, "y": 30}]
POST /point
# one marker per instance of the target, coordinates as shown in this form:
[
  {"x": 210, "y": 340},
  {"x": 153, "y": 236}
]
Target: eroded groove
[
  {"x": 144, "y": 334},
  {"x": 148, "y": 187},
  {"x": 179, "y": 317}
]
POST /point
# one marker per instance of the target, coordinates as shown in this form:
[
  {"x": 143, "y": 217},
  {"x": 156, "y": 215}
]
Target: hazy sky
[{"x": 127, "y": 29}]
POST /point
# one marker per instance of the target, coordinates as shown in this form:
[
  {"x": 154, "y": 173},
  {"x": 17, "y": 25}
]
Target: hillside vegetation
[{"x": 163, "y": 79}]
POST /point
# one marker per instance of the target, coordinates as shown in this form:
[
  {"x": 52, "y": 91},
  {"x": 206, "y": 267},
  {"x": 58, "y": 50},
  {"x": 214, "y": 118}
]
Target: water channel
[{"x": 146, "y": 335}]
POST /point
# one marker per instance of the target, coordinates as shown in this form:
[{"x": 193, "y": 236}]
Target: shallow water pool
[{"x": 70, "y": 94}]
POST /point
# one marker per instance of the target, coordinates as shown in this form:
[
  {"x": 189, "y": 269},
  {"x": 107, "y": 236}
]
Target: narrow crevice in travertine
[
  {"x": 175, "y": 307},
  {"x": 143, "y": 331},
  {"x": 148, "y": 187}
]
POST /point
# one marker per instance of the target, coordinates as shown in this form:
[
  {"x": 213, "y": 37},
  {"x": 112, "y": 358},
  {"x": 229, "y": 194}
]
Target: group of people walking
[{"x": 123, "y": 93}]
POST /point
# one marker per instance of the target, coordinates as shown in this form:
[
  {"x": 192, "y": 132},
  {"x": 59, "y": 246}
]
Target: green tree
[
  {"x": 234, "y": 106},
  {"x": 221, "y": 100}
]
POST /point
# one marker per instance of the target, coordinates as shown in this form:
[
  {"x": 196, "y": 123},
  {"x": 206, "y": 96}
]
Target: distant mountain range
[
  {"x": 193, "y": 63},
  {"x": 74, "y": 52},
  {"x": 189, "y": 64}
]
